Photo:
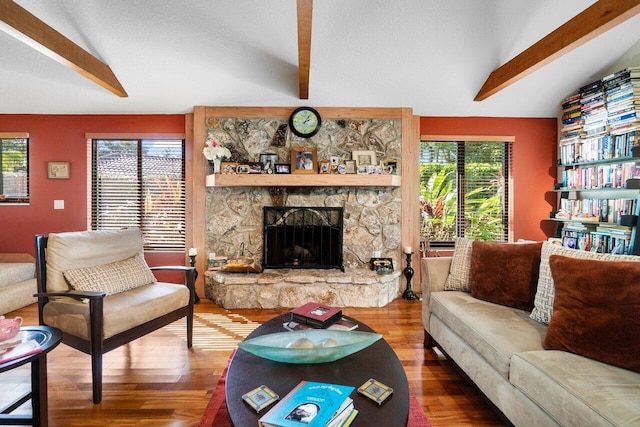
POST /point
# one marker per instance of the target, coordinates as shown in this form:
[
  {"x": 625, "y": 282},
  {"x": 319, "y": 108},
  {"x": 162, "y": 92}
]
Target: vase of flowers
[{"x": 215, "y": 152}]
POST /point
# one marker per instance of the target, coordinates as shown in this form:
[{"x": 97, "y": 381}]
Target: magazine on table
[
  {"x": 339, "y": 325},
  {"x": 20, "y": 350}
]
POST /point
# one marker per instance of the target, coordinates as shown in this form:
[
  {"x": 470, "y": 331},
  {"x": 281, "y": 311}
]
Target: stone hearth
[{"x": 359, "y": 287}]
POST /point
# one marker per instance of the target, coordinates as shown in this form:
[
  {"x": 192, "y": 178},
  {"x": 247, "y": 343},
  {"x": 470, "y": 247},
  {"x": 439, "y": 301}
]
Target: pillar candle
[{"x": 193, "y": 251}]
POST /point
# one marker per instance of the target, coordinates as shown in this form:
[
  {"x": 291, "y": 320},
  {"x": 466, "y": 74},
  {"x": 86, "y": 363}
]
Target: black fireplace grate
[{"x": 303, "y": 237}]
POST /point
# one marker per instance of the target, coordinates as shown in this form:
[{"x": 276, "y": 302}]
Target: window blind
[{"x": 14, "y": 168}]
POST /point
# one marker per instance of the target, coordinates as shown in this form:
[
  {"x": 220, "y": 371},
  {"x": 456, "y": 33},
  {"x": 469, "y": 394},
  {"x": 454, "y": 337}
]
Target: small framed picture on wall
[{"x": 58, "y": 170}]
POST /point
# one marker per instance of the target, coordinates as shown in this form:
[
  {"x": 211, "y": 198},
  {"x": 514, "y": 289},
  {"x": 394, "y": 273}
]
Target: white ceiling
[{"x": 429, "y": 55}]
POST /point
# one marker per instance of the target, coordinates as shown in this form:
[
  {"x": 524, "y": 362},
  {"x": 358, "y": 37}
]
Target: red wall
[
  {"x": 534, "y": 171},
  {"x": 62, "y": 138}
]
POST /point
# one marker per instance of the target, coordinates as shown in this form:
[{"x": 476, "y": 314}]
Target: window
[
  {"x": 14, "y": 165},
  {"x": 464, "y": 190},
  {"x": 140, "y": 183}
]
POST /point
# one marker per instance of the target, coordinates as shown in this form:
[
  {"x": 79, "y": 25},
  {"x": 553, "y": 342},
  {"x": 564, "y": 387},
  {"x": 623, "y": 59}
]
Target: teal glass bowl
[{"x": 339, "y": 344}]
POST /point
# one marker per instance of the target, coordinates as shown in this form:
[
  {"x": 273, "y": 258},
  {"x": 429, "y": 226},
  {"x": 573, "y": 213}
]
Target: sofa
[
  {"x": 17, "y": 281},
  {"x": 563, "y": 349}
]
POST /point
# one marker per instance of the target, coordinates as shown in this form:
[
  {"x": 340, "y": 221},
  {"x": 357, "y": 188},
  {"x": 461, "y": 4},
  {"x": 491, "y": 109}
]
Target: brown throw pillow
[
  {"x": 596, "y": 310},
  {"x": 505, "y": 273}
]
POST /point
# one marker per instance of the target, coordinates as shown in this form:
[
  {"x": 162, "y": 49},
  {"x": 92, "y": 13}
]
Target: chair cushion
[
  {"x": 122, "y": 311},
  {"x": 87, "y": 249},
  {"x": 15, "y": 272},
  {"x": 111, "y": 278}
]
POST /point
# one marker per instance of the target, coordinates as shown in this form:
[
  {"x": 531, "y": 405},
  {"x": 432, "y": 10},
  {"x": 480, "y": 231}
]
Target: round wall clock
[{"x": 305, "y": 122}]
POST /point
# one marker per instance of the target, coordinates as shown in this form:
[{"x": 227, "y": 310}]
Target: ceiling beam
[
  {"x": 587, "y": 25},
  {"x": 26, "y": 27},
  {"x": 305, "y": 10}
]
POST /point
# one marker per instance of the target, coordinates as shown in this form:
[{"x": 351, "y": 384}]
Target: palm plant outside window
[
  {"x": 464, "y": 190},
  {"x": 140, "y": 183}
]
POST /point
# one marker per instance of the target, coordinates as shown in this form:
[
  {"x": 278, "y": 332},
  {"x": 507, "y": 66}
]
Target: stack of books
[
  {"x": 570, "y": 143},
  {"x": 623, "y": 100},
  {"x": 313, "y": 404},
  {"x": 316, "y": 315}
]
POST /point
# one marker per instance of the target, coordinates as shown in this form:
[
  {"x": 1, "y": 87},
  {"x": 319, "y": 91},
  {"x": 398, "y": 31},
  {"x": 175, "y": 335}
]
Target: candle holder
[
  {"x": 192, "y": 263},
  {"x": 408, "y": 274}
]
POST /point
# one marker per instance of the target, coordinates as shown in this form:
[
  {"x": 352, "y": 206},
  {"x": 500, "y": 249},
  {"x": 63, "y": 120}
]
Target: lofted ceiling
[{"x": 430, "y": 55}]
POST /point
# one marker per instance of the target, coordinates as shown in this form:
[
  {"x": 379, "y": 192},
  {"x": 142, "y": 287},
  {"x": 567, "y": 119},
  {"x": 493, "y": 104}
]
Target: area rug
[{"x": 216, "y": 414}]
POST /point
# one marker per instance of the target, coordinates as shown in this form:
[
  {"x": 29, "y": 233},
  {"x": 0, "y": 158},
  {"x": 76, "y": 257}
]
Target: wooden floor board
[{"x": 156, "y": 381}]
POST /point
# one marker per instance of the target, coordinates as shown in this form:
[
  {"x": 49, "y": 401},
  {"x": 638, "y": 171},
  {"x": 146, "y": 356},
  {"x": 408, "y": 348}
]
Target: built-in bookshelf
[{"x": 598, "y": 187}]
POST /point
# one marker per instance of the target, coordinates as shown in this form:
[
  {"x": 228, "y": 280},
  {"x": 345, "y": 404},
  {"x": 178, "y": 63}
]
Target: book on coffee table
[
  {"x": 314, "y": 404},
  {"x": 316, "y": 315},
  {"x": 19, "y": 351},
  {"x": 341, "y": 324}
]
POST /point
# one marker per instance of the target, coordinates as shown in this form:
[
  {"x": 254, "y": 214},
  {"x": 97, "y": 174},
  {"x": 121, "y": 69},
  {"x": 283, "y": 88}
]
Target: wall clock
[{"x": 305, "y": 122}]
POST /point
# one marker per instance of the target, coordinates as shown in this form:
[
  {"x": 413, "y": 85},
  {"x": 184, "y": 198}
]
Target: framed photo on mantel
[{"x": 304, "y": 160}]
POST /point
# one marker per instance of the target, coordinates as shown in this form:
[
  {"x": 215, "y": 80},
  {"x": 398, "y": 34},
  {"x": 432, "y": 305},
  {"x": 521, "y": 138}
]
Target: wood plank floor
[{"x": 156, "y": 381}]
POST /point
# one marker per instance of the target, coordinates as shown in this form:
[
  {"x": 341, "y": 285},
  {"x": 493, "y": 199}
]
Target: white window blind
[
  {"x": 464, "y": 189},
  {"x": 14, "y": 168},
  {"x": 140, "y": 183}
]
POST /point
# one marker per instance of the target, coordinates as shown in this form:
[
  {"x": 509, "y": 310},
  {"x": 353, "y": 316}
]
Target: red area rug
[{"x": 216, "y": 414}]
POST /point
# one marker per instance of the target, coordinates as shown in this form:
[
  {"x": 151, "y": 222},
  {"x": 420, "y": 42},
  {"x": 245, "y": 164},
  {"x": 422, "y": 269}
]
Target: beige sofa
[
  {"x": 501, "y": 349},
  {"x": 17, "y": 281}
]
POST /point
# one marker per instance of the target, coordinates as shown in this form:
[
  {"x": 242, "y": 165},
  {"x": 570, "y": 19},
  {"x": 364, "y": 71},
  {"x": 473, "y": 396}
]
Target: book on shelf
[
  {"x": 341, "y": 324},
  {"x": 314, "y": 404},
  {"x": 316, "y": 315},
  {"x": 19, "y": 350}
]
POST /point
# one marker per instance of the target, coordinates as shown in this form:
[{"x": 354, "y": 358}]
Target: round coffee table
[
  {"x": 48, "y": 338},
  {"x": 379, "y": 361}
]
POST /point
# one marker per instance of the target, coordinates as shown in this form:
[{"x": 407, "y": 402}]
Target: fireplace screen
[{"x": 302, "y": 237}]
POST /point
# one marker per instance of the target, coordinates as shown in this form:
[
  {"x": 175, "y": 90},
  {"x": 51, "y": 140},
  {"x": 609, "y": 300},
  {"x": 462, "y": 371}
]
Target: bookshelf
[{"x": 598, "y": 189}]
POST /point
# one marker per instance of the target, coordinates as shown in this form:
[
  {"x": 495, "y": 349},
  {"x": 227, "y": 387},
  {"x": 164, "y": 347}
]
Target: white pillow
[
  {"x": 459, "y": 278},
  {"x": 111, "y": 278}
]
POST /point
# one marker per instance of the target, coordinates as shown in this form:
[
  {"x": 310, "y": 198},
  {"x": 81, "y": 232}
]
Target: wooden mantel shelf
[{"x": 303, "y": 180}]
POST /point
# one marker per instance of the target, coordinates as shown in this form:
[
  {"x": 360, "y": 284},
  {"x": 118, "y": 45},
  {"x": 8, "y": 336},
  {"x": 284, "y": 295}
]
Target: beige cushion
[
  {"x": 111, "y": 278},
  {"x": 460, "y": 271},
  {"x": 122, "y": 311},
  {"x": 66, "y": 251},
  {"x": 16, "y": 272},
  {"x": 543, "y": 302}
]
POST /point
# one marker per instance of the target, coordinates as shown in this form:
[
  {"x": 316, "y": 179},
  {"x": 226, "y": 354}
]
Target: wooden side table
[{"x": 48, "y": 338}]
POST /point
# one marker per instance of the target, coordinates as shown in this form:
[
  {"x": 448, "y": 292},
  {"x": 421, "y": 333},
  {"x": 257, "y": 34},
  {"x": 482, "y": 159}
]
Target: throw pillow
[
  {"x": 595, "y": 310},
  {"x": 505, "y": 273},
  {"x": 111, "y": 278},
  {"x": 543, "y": 302},
  {"x": 460, "y": 269}
]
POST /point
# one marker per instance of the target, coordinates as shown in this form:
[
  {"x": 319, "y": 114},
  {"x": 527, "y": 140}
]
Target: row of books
[
  {"x": 595, "y": 241},
  {"x": 575, "y": 149},
  {"x": 613, "y": 175},
  {"x": 602, "y": 210}
]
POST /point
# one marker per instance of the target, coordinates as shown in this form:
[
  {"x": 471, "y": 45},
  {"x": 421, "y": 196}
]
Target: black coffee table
[
  {"x": 48, "y": 338},
  {"x": 379, "y": 361}
]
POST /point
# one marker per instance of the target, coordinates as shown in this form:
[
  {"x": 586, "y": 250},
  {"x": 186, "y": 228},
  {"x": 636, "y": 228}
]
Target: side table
[{"x": 48, "y": 338}]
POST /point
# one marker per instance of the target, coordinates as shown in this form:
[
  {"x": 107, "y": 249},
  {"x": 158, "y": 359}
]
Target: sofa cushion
[
  {"x": 543, "y": 302},
  {"x": 577, "y": 391},
  {"x": 460, "y": 269},
  {"x": 111, "y": 278},
  {"x": 16, "y": 272},
  {"x": 122, "y": 311},
  {"x": 505, "y": 273},
  {"x": 496, "y": 332},
  {"x": 596, "y": 310},
  {"x": 87, "y": 249}
]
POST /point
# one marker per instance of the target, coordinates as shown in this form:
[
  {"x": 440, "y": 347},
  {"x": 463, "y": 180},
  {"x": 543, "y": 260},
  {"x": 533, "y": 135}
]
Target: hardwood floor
[{"x": 156, "y": 381}]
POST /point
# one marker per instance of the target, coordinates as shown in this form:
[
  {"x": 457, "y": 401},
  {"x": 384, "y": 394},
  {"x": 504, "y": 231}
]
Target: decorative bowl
[{"x": 274, "y": 346}]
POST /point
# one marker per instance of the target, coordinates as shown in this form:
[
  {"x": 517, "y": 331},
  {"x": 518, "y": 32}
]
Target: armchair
[{"x": 97, "y": 289}]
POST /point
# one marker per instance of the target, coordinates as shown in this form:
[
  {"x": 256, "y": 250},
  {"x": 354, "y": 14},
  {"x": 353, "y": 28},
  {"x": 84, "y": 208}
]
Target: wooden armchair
[{"x": 97, "y": 289}]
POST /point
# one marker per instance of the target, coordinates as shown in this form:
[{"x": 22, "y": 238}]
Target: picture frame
[
  {"x": 367, "y": 157},
  {"x": 268, "y": 161},
  {"x": 58, "y": 170},
  {"x": 391, "y": 166},
  {"x": 243, "y": 169},
  {"x": 362, "y": 170},
  {"x": 324, "y": 166},
  {"x": 255, "y": 167},
  {"x": 304, "y": 159},
  {"x": 381, "y": 265},
  {"x": 283, "y": 168},
  {"x": 350, "y": 166},
  {"x": 229, "y": 168}
]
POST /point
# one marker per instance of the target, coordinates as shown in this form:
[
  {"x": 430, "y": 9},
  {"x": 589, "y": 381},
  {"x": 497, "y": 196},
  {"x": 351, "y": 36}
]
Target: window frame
[
  {"x": 16, "y": 200},
  {"x": 507, "y": 161},
  {"x": 139, "y": 140}
]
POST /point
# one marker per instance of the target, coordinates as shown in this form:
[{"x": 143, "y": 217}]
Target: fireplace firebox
[{"x": 302, "y": 237}]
